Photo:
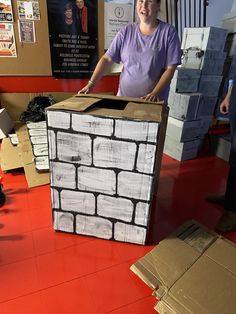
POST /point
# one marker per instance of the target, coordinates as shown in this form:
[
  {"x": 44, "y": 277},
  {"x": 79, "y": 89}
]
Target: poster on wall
[
  {"x": 7, "y": 40},
  {"x": 6, "y": 14},
  {"x": 26, "y": 31},
  {"x": 28, "y": 10},
  {"x": 73, "y": 35},
  {"x": 117, "y": 14}
]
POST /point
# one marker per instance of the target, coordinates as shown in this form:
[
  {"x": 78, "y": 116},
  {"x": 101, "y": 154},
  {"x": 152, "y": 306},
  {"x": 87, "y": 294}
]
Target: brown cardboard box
[
  {"x": 105, "y": 154},
  {"x": 21, "y": 156},
  {"x": 191, "y": 271}
]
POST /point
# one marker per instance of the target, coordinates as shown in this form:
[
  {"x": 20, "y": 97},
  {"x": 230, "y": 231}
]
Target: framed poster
[
  {"x": 73, "y": 34},
  {"x": 7, "y": 40},
  {"x": 6, "y": 14},
  {"x": 26, "y": 31}
]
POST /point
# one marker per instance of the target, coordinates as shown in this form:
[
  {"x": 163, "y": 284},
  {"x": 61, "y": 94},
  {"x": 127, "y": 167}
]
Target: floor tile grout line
[
  {"x": 121, "y": 307},
  {"x": 67, "y": 281}
]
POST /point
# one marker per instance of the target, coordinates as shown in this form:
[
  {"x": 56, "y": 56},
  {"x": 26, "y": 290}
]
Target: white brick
[
  {"x": 94, "y": 226},
  {"x": 74, "y": 148},
  {"x": 129, "y": 233},
  {"x": 136, "y": 130},
  {"x": 96, "y": 180},
  {"x": 55, "y": 198},
  {"x": 134, "y": 185},
  {"x": 63, "y": 221},
  {"x": 114, "y": 154},
  {"x": 78, "y": 202},
  {"x": 112, "y": 207},
  {"x": 58, "y": 119},
  {"x": 51, "y": 144},
  {"x": 146, "y": 158},
  {"x": 142, "y": 213},
  {"x": 92, "y": 125},
  {"x": 63, "y": 175}
]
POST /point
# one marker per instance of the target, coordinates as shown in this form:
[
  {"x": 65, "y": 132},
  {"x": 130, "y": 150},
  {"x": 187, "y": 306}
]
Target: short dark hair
[{"x": 68, "y": 6}]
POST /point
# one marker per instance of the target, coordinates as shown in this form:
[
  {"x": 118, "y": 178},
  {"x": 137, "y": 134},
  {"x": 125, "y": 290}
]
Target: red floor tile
[
  {"x": 116, "y": 287},
  {"x": 68, "y": 298},
  {"x": 47, "y": 240},
  {"x": 74, "y": 262},
  {"x": 18, "y": 279},
  {"x": 48, "y": 272},
  {"x": 15, "y": 248},
  {"x": 24, "y": 305}
]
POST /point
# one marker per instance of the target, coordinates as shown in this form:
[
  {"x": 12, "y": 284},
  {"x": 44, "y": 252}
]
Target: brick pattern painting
[{"x": 102, "y": 172}]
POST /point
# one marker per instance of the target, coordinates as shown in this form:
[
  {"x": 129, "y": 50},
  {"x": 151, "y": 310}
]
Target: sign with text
[
  {"x": 73, "y": 32},
  {"x": 118, "y": 13}
]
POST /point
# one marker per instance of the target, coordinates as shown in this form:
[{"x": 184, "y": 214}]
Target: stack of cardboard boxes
[{"x": 194, "y": 90}]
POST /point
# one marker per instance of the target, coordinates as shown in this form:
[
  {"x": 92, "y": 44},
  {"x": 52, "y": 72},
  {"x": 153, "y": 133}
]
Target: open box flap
[
  {"x": 172, "y": 257},
  {"x": 114, "y": 106}
]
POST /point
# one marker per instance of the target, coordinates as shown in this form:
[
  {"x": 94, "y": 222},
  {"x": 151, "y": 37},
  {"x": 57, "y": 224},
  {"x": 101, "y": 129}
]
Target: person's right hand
[
  {"x": 86, "y": 89},
  {"x": 224, "y": 106}
]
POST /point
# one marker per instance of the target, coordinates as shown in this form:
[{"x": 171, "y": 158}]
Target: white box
[
  {"x": 184, "y": 106},
  {"x": 184, "y": 131},
  {"x": 6, "y": 123},
  {"x": 210, "y": 62},
  {"x": 204, "y": 38},
  {"x": 185, "y": 80},
  {"x": 181, "y": 151}
]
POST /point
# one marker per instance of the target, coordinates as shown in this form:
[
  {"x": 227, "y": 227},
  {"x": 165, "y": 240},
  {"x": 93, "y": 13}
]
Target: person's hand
[
  {"x": 151, "y": 97},
  {"x": 224, "y": 106},
  {"x": 86, "y": 89}
]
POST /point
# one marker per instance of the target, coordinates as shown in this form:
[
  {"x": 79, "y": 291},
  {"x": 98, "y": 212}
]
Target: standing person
[
  {"x": 149, "y": 51},
  {"x": 82, "y": 16},
  {"x": 228, "y": 220}
]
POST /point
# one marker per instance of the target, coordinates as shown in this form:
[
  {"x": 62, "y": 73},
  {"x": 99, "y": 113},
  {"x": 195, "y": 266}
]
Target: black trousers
[{"x": 230, "y": 194}]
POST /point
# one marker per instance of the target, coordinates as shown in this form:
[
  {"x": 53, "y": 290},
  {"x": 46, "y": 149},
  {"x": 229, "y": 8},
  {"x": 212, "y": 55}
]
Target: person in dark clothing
[
  {"x": 82, "y": 16},
  {"x": 228, "y": 220}
]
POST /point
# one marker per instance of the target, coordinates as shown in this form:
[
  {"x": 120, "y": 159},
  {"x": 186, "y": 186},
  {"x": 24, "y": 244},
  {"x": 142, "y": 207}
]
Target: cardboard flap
[
  {"x": 7, "y": 149},
  {"x": 172, "y": 257},
  {"x": 150, "y": 112},
  {"x": 223, "y": 252},
  {"x": 114, "y": 106},
  {"x": 128, "y": 99},
  {"x": 165, "y": 264},
  {"x": 80, "y": 104},
  {"x": 206, "y": 287}
]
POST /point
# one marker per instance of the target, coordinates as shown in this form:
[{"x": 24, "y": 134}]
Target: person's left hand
[{"x": 151, "y": 97}]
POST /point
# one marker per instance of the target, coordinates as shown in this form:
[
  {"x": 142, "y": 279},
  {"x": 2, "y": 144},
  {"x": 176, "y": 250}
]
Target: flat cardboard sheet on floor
[
  {"x": 191, "y": 271},
  {"x": 13, "y": 157}
]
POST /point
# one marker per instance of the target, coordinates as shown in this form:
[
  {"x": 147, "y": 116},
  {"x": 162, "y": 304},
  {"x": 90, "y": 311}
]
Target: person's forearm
[
  {"x": 164, "y": 80},
  {"x": 102, "y": 67}
]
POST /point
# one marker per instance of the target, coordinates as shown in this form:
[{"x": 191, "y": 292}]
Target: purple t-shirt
[{"x": 144, "y": 58}]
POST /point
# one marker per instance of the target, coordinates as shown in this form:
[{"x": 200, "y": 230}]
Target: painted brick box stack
[
  {"x": 194, "y": 90},
  {"x": 105, "y": 154}
]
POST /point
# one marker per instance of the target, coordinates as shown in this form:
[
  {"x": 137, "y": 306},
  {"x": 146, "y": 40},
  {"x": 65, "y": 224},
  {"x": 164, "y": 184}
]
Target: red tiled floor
[{"x": 48, "y": 272}]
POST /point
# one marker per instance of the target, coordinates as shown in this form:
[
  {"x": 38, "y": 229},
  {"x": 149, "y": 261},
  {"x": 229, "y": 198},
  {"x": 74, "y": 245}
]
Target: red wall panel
[{"x": 27, "y": 84}]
